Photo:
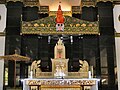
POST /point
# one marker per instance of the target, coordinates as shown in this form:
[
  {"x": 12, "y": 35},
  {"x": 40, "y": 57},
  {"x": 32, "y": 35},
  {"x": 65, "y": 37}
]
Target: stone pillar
[{"x": 2, "y": 49}]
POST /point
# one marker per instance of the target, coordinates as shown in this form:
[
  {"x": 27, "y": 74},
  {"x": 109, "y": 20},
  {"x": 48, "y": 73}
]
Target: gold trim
[
  {"x": 59, "y": 33},
  {"x": 117, "y": 34},
  {"x": 88, "y": 3},
  {"x": 14, "y": 0},
  {"x": 2, "y": 33},
  {"x": 65, "y": 13},
  {"x": 105, "y": 0},
  {"x": 64, "y": 86},
  {"x": 31, "y": 4},
  {"x": 116, "y": 2}
]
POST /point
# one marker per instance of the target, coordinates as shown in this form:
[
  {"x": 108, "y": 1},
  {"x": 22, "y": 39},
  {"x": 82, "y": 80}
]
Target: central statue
[
  {"x": 59, "y": 50},
  {"x": 59, "y": 63}
]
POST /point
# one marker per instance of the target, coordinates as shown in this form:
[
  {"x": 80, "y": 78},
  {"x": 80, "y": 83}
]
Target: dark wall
[
  {"x": 30, "y": 13},
  {"x": 89, "y": 13},
  {"x": 106, "y": 39},
  {"x": 14, "y": 12},
  {"x": 13, "y": 38}
]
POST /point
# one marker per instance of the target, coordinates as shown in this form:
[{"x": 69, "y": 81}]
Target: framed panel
[{"x": 104, "y": 70}]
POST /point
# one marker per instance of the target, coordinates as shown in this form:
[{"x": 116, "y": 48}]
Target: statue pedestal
[{"x": 60, "y": 67}]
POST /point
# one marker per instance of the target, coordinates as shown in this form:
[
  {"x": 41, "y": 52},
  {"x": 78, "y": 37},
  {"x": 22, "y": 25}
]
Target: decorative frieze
[
  {"x": 65, "y": 13},
  {"x": 76, "y": 10},
  {"x": 15, "y": 0},
  {"x": 44, "y": 9},
  {"x": 105, "y": 0},
  {"x": 88, "y": 3},
  {"x": 31, "y": 3},
  {"x": 60, "y": 82}
]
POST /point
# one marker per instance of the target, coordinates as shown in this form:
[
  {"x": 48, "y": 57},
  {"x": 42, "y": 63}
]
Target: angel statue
[
  {"x": 35, "y": 67},
  {"x": 84, "y": 66}
]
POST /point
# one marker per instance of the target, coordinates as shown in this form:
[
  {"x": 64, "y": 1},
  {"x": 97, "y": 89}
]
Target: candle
[
  {"x": 89, "y": 74},
  {"x": 31, "y": 73}
]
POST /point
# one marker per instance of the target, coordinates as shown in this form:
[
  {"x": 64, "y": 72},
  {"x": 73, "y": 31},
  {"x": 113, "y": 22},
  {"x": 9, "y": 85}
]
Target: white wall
[
  {"x": 2, "y": 49},
  {"x": 117, "y": 42},
  {"x": 3, "y": 12},
  {"x": 116, "y": 13}
]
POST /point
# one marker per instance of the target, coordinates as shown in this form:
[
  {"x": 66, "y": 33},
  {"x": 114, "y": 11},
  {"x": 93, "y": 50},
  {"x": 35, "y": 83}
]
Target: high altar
[{"x": 60, "y": 78}]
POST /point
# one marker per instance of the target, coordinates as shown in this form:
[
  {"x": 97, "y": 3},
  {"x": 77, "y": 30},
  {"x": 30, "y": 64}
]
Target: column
[
  {"x": 117, "y": 42},
  {"x": 116, "y": 14},
  {"x": 3, "y": 11}
]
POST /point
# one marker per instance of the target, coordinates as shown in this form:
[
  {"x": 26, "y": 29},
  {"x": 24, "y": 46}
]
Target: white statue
[
  {"x": 84, "y": 66},
  {"x": 35, "y": 67},
  {"x": 59, "y": 49}
]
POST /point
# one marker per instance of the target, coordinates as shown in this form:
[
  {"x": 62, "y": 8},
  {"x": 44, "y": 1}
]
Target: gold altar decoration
[
  {"x": 60, "y": 68},
  {"x": 60, "y": 84},
  {"x": 15, "y": 57},
  {"x": 60, "y": 78},
  {"x": 69, "y": 75},
  {"x": 60, "y": 65},
  {"x": 71, "y": 26}
]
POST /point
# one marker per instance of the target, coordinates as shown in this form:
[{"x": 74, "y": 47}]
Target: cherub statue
[
  {"x": 35, "y": 66},
  {"x": 84, "y": 67}
]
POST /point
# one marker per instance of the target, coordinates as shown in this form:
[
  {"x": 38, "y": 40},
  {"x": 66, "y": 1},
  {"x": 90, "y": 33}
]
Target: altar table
[{"x": 61, "y": 84}]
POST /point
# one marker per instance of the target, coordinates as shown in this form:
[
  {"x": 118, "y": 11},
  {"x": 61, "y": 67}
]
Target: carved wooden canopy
[{"x": 71, "y": 26}]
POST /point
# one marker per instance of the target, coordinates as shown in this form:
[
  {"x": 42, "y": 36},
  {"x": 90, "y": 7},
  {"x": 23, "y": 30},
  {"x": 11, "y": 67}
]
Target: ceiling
[{"x": 65, "y": 4}]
